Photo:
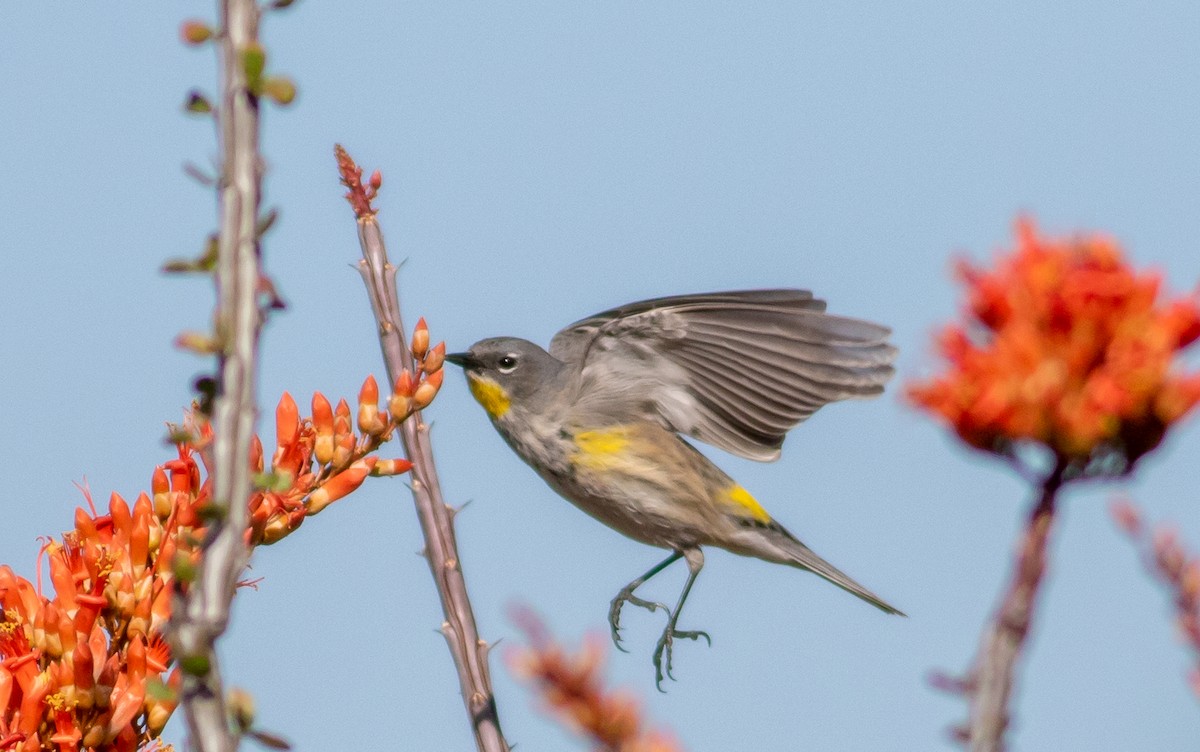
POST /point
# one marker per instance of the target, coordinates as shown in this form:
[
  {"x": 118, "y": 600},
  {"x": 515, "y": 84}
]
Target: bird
[{"x": 602, "y": 417}]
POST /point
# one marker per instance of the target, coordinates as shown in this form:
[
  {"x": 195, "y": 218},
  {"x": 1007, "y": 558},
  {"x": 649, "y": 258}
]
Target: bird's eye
[{"x": 506, "y": 364}]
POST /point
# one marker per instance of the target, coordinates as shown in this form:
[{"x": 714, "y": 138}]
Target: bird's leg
[
  {"x": 695, "y": 562},
  {"x": 626, "y": 596}
]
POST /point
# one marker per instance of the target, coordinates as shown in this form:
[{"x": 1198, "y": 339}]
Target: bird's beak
[{"x": 462, "y": 360}]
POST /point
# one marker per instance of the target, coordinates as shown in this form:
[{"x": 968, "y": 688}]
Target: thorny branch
[
  {"x": 470, "y": 653},
  {"x": 991, "y": 682},
  {"x": 202, "y": 613}
]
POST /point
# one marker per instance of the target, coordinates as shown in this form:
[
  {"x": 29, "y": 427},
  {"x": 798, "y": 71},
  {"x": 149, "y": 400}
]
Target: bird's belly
[
  {"x": 646, "y": 491},
  {"x": 635, "y": 509}
]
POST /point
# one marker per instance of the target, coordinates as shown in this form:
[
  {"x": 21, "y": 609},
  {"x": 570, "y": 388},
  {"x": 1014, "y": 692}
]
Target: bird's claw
[
  {"x": 665, "y": 647},
  {"x": 614, "y": 613}
]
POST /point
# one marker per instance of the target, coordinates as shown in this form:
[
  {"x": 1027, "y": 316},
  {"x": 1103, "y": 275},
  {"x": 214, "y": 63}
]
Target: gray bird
[{"x": 600, "y": 417}]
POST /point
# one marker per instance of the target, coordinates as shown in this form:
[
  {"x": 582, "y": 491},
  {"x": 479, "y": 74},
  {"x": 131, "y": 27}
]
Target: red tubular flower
[
  {"x": 322, "y": 420},
  {"x": 369, "y": 419},
  {"x": 420, "y": 339},
  {"x": 428, "y": 389},
  {"x": 340, "y": 485},
  {"x": 1065, "y": 345},
  {"x": 434, "y": 359},
  {"x": 74, "y": 666},
  {"x": 391, "y": 467}
]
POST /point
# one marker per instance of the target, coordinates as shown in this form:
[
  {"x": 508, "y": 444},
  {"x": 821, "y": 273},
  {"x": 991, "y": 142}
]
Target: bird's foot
[
  {"x": 665, "y": 649},
  {"x": 614, "y": 612}
]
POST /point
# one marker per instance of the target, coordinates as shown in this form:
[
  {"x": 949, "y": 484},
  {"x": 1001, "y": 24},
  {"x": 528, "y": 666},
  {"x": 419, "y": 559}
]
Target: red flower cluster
[
  {"x": 573, "y": 689},
  {"x": 74, "y": 668},
  {"x": 1067, "y": 346},
  {"x": 89, "y": 667}
]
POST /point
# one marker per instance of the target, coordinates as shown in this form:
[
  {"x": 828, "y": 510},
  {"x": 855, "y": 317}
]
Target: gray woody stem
[
  {"x": 470, "y": 653},
  {"x": 991, "y": 685},
  {"x": 201, "y": 615}
]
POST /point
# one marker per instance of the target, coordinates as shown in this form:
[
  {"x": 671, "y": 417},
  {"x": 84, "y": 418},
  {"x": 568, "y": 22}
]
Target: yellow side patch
[
  {"x": 598, "y": 448},
  {"x": 746, "y": 503},
  {"x": 489, "y": 394}
]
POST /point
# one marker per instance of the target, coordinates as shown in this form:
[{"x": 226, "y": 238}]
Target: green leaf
[
  {"x": 280, "y": 89},
  {"x": 156, "y": 689},
  {"x": 254, "y": 62},
  {"x": 277, "y": 482},
  {"x": 197, "y": 104},
  {"x": 196, "y": 665}
]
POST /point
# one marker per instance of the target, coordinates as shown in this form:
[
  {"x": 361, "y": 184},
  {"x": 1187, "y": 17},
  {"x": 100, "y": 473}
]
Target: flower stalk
[
  {"x": 1068, "y": 354},
  {"x": 415, "y": 384}
]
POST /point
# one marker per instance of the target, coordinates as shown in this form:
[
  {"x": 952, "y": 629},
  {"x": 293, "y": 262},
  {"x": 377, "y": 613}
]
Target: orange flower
[
  {"x": 571, "y": 685},
  {"x": 1067, "y": 346},
  {"x": 75, "y": 668}
]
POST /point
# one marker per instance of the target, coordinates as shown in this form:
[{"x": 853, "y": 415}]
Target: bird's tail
[
  {"x": 778, "y": 545},
  {"x": 802, "y": 557}
]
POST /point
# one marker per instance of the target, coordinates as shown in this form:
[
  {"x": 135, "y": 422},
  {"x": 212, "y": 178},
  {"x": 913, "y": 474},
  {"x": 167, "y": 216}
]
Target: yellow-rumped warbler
[{"x": 599, "y": 417}]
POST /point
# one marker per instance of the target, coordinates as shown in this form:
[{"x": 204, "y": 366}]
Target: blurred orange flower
[
  {"x": 1165, "y": 555},
  {"x": 1066, "y": 345},
  {"x": 573, "y": 688}
]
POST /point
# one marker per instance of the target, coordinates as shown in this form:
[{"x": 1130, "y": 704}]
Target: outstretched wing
[{"x": 737, "y": 370}]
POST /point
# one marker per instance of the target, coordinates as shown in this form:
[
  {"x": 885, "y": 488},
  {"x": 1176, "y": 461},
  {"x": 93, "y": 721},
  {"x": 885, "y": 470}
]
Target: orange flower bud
[
  {"x": 339, "y": 485},
  {"x": 287, "y": 432},
  {"x": 391, "y": 467},
  {"x": 322, "y": 421},
  {"x": 434, "y": 359},
  {"x": 139, "y": 545},
  {"x": 287, "y": 420},
  {"x": 400, "y": 407},
  {"x": 160, "y": 486},
  {"x": 420, "y": 339},
  {"x": 84, "y": 677},
  {"x": 369, "y": 420},
  {"x": 424, "y": 395},
  {"x": 118, "y": 512},
  {"x": 343, "y": 434},
  {"x": 369, "y": 391},
  {"x": 275, "y": 530},
  {"x": 128, "y": 704},
  {"x": 341, "y": 418},
  {"x": 428, "y": 389},
  {"x": 404, "y": 384}
]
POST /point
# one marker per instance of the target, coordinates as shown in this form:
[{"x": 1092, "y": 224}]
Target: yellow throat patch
[{"x": 489, "y": 394}]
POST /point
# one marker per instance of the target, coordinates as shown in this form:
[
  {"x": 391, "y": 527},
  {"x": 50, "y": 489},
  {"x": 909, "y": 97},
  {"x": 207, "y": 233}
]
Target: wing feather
[{"x": 735, "y": 369}]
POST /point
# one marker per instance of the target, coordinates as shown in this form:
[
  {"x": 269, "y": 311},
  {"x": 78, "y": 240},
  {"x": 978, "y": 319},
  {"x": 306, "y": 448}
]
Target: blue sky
[{"x": 543, "y": 161}]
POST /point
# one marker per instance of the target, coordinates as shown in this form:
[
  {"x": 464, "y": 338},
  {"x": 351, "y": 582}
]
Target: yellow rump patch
[
  {"x": 598, "y": 448},
  {"x": 742, "y": 499},
  {"x": 489, "y": 394}
]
